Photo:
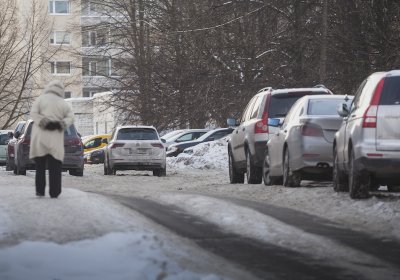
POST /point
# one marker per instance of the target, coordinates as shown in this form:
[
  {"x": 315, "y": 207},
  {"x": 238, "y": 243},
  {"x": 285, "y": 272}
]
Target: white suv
[
  {"x": 248, "y": 142},
  {"x": 367, "y": 146},
  {"x": 135, "y": 148}
]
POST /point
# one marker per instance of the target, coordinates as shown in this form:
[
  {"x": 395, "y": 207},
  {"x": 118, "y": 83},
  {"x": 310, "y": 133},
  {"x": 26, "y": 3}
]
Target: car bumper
[
  {"x": 137, "y": 165},
  {"x": 380, "y": 167}
]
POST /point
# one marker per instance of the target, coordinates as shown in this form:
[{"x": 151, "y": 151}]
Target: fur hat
[{"x": 55, "y": 87}]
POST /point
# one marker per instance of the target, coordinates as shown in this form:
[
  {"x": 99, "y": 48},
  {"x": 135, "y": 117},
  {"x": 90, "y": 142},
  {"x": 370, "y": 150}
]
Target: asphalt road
[{"x": 266, "y": 260}]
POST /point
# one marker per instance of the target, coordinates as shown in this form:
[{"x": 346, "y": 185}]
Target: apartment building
[
  {"x": 78, "y": 34},
  {"x": 78, "y": 41}
]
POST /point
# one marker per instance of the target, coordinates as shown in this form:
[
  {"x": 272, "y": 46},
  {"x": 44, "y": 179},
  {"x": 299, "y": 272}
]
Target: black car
[
  {"x": 95, "y": 157},
  {"x": 212, "y": 135}
]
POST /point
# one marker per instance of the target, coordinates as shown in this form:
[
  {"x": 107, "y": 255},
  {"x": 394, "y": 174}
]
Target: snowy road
[{"x": 270, "y": 232}]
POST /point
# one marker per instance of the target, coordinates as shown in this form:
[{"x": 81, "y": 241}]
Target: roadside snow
[{"x": 208, "y": 155}]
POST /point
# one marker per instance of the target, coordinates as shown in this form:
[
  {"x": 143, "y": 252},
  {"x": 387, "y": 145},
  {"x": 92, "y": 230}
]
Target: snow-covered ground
[{"x": 94, "y": 237}]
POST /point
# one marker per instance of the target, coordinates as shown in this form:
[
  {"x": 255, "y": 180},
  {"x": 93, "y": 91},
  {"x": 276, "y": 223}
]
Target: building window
[
  {"x": 59, "y": 7},
  {"x": 67, "y": 94},
  {"x": 60, "y": 37},
  {"x": 95, "y": 66},
  {"x": 60, "y": 67}
]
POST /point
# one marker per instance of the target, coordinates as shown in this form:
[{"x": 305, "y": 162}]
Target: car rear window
[
  {"x": 137, "y": 134},
  {"x": 391, "y": 91},
  {"x": 325, "y": 106},
  {"x": 69, "y": 132},
  {"x": 281, "y": 103}
]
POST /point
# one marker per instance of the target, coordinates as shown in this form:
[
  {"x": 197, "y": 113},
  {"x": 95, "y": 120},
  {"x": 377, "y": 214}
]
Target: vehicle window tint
[
  {"x": 291, "y": 113},
  {"x": 325, "y": 107},
  {"x": 196, "y": 135},
  {"x": 249, "y": 107},
  {"x": 219, "y": 134},
  {"x": 390, "y": 92},
  {"x": 281, "y": 103},
  {"x": 357, "y": 95},
  {"x": 185, "y": 137},
  {"x": 256, "y": 106},
  {"x": 137, "y": 134},
  {"x": 70, "y": 131},
  {"x": 93, "y": 143},
  {"x": 3, "y": 139}
]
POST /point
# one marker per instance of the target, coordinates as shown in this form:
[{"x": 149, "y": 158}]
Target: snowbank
[{"x": 208, "y": 155}]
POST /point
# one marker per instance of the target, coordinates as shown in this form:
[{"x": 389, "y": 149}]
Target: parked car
[
  {"x": 171, "y": 134},
  {"x": 302, "y": 148},
  {"x": 95, "y": 157},
  {"x": 4, "y": 138},
  {"x": 246, "y": 148},
  {"x": 73, "y": 159},
  {"x": 135, "y": 148},
  {"x": 185, "y": 135},
  {"x": 11, "y": 145},
  {"x": 212, "y": 135},
  {"x": 94, "y": 142},
  {"x": 367, "y": 146}
]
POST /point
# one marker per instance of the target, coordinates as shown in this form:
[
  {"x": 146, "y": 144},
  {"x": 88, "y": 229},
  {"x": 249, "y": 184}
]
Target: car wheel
[
  {"x": 392, "y": 188},
  {"x": 291, "y": 178},
  {"x": 356, "y": 188},
  {"x": 160, "y": 172},
  {"x": 339, "y": 178},
  {"x": 235, "y": 177},
  {"x": 253, "y": 173},
  {"x": 76, "y": 172},
  {"x": 268, "y": 180}
]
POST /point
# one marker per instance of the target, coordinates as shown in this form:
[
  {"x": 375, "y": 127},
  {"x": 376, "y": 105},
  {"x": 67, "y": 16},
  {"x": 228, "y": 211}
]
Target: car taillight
[
  {"x": 370, "y": 115},
  {"x": 158, "y": 145},
  {"x": 74, "y": 142},
  {"x": 116, "y": 145},
  {"x": 262, "y": 125},
  {"x": 312, "y": 130},
  {"x": 10, "y": 150}
]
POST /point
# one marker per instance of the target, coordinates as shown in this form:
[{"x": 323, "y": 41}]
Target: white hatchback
[{"x": 135, "y": 148}]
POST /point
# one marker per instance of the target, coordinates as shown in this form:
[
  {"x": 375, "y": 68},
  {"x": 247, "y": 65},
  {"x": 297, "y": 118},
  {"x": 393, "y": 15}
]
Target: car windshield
[
  {"x": 325, "y": 106},
  {"x": 3, "y": 139},
  {"x": 281, "y": 103},
  {"x": 137, "y": 134}
]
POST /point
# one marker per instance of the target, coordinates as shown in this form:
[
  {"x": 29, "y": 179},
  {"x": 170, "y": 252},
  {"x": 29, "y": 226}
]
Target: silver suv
[
  {"x": 247, "y": 145},
  {"x": 367, "y": 146}
]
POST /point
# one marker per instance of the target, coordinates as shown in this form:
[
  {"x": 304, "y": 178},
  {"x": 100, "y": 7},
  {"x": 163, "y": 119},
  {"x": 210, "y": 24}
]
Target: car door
[{"x": 277, "y": 142}]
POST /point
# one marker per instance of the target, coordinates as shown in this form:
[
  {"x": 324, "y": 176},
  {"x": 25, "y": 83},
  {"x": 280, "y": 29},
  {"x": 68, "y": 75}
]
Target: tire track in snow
[{"x": 265, "y": 260}]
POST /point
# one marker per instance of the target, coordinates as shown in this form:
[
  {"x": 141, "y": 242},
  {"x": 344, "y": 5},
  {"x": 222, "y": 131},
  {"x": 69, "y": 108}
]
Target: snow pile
[{"x": 208, "y": 155}]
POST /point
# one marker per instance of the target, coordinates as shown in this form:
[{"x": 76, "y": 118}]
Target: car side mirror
[
  {"x": 163, "y": 140},
  {"x": 17, "y": 134},
  {"x": 232, "y": 122},
  {"x": 105, "y": 141},
  {"x": 343, "y": 110},
  {"x": 274, "y": 122}
]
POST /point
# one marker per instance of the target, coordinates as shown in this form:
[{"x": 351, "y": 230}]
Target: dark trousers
[{"x": 54, "y": 175}]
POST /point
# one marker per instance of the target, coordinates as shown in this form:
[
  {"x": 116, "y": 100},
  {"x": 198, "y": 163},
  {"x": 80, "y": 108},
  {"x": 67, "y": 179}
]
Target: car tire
[
  {"x": 393, "y": 188},
  {"x": 339, "y": 178},
  {"x": 357, "y": 189},
  {"x": 107, "y": 169},
  {"x": 76, "y": 172},
  {"x": 253, "y": 173},
  {"x": 235, "y": 177},
  {"x": 268, "y": 180},
  {"x": 162, "y": 172},
  {"x": 291, "y": 178}
]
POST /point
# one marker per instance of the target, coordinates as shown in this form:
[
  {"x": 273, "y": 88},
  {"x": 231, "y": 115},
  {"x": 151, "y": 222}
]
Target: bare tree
[{"x": 23, "y": 51}]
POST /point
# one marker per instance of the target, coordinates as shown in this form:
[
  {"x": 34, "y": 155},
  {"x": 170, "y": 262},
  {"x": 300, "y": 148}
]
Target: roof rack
[
  {"x": 264, "y": 89},
  {"x": 320, "y": 86}
]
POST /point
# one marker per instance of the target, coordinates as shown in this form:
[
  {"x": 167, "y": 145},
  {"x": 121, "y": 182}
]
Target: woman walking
[{"x": 51, "y": 114}]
